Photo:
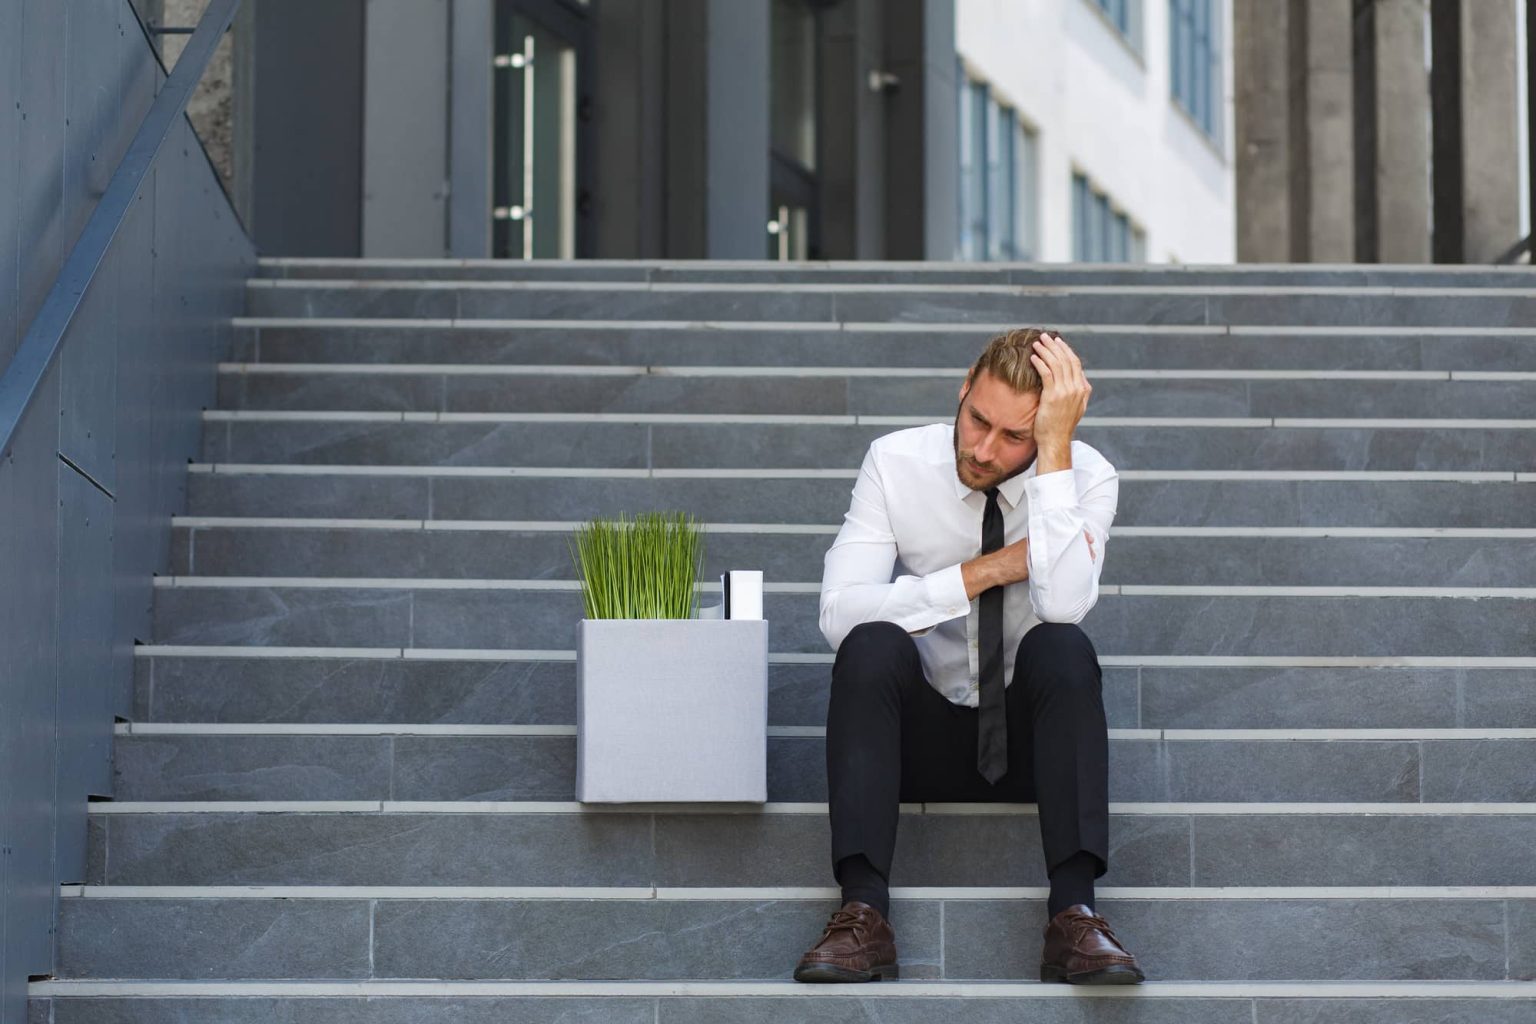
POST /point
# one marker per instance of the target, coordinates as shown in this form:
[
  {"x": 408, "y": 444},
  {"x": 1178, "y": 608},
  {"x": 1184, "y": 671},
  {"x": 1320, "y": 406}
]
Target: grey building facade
[{"x": 708, "y": 129}]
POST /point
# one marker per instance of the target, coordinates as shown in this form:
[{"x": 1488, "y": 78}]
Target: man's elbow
[
  {"x": 831, "y": 628},
  {"x": 1065, "y": 608}
]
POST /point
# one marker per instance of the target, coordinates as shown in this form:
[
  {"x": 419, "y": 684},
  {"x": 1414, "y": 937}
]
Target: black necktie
[{"x": 991, "y": 720}]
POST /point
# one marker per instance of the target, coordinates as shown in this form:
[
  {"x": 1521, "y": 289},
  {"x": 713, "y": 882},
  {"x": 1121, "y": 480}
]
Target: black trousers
[{"x": 892, "y": 738}]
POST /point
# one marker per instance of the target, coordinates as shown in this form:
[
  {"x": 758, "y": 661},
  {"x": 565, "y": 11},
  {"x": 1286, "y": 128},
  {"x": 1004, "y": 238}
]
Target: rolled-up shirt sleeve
[
  {"x": 857, "y": 587},
  {"x": 1070, "y": 512}
]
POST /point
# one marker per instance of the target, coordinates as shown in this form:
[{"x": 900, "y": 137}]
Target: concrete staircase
[{"x": 346, "y": 794}]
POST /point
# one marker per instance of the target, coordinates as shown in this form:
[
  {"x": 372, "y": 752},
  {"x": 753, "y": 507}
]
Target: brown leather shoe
[
  {"x": 858, "y": 945},
  {"x": 1081, "y": 950}
]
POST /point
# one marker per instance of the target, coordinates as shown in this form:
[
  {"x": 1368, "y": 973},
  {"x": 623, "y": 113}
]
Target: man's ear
[{"x": 965, "y": 386}]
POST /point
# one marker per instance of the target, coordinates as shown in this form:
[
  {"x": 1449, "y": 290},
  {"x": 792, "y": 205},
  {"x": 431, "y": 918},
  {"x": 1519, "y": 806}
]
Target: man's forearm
[
  {"x": 1053, "y": 456},
  {"x": 998, "y": 569}
]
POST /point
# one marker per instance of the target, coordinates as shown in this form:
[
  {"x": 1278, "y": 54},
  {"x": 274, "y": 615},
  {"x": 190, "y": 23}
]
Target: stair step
[
  {"x": 891, "y": 272},
  {"x": 241, "y": 685},
  {"x": 567, "y": 844},
  {"x": 256, "y": 386},
  {"x": 433, "y": 763},
  {"x": 905, "y": 1002},
  {"x": 469, "y": 439},
  {"x": 1304, "y": 499},
  {"x": 820, "y": 302},
  {"x": 1258, "y": 620},
  {"x": 1209, "y": 939},
  {"x": 889, "y": 345},
  {"x": 1200, "y": 557}
]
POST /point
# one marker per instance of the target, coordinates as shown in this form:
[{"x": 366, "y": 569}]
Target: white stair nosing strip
[
  {"x": 298, "y": 523},
  {"x": 478, "y": 654},
  {"x": 980, "y": 330},
  {"x": 1401, "y": 424},
  {"x": 1201, "y": 990},
  {"x": 1228, "y": 809},
  {"x": 599, "y": 472},
  {"x": 818, "y": 529},
  {"x": 1154, "y": 990},
  {"x": 937, "y": 267},
  {"x": 337, "y": 729},
  {"x": 630, "y": 894},
  {"x": 807, "y": 588},
  {"x": 845, "y": 420},
  {"x": 950, "y": 288},
  {"x": 327, "y": 469},
  {"x": 1482, "y": 662},
  {"x": 1342, "y": 735},
  {"x": 445, "y": 369},
  {"x": 432, "y": 583},
  {"x": 860, "y": 372},
  {"x": 1141, "y": 590},
  {"x": 261, "y": 651}
]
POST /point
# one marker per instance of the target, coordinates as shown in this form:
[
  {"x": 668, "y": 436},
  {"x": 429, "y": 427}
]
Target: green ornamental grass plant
[{"x": 645, "y": 568}]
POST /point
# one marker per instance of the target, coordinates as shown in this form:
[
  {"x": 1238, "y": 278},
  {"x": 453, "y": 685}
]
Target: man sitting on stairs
[{"x": 966, "y": 679}]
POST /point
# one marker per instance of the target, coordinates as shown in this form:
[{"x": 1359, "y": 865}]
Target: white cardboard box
[{"x": 672, "y": 710}]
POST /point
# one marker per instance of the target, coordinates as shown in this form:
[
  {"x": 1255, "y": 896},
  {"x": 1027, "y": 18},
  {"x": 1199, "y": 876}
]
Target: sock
[
  {"x": 1072, "y": 882},
  {"x": 860, "y": 881}
]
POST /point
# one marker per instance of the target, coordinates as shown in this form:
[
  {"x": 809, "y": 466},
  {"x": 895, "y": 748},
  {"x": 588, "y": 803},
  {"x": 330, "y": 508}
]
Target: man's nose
[{"x": 983, "y": 452}]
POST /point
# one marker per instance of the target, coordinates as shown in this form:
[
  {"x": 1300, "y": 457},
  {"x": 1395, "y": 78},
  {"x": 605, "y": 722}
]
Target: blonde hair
[{"x": 1006, "y": 357}]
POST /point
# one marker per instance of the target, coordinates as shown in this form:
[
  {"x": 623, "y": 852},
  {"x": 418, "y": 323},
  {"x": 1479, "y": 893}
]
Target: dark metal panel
[
  {"x": 10, "y": 133},
  {"x": 41, "y": 151},
  {"x": 28, "y": 609},
  {"x": 307, "y": 177},
  {"x": 84, "y": 659}
]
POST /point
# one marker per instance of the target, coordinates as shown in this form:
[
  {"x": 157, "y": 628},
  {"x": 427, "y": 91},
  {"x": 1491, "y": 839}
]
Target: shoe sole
[
  {"x": 827, "y": 973},
  {"x": 1117, "y": 975}
]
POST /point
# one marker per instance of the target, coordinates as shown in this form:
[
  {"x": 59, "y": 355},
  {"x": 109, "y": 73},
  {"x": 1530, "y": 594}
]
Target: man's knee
[
  {"x": 875, "y": 640},
  {"x": 1060, "y": 647},
  {"x": 869, "y": 650}
]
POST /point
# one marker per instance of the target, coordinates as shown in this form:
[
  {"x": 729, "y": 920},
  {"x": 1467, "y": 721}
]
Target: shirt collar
[{"x": 1010, "y": 490}]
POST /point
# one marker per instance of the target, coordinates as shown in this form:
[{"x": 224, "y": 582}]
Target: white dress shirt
[{"x": 911, "y": 524}]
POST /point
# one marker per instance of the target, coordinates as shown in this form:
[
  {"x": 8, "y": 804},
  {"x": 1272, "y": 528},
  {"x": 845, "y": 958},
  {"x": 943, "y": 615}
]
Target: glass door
[
  {"x": 541, "y": 70},
  {"x": 794, "y": 233}
]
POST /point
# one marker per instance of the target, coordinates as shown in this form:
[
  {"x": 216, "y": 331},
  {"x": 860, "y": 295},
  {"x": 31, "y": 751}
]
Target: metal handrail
[
  {"x": 40, "y": 346},
  {"x": 1517, "y": 250}
]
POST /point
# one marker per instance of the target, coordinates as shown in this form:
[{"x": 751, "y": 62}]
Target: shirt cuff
[
  {"x": 946, "y": 592},
  {"x": 1051, "y": 490}
]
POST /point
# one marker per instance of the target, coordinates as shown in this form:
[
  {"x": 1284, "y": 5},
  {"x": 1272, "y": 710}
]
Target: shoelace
[
  {"x": 844, "y": 920},
  {"x": 1097, "y": 923}
]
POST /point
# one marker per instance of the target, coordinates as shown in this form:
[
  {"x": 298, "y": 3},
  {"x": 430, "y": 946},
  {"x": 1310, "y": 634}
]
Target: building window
[
  {"x": 1101, "y": 233},
  {"x": 1194, "y": 59},
  {"x": 998, "y": 214},
  {"x": 1125, "y": 16}
]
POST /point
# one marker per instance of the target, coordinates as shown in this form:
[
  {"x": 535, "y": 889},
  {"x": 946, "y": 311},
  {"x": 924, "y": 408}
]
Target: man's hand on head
[
  {"x": 1063, "y": 400},
  {"x": 1008, "y": 564}
]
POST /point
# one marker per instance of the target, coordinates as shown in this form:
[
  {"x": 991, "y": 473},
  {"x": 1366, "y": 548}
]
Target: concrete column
[
  {"x": 717, "y": 129},
  {"x": 920, "y": 196},
  {"x": 1490, "y": 169},
  {"x": 1261, "y": 32},
  {"x": 1392, "y": 105},
  {"x": 1322, "y": 133}
]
